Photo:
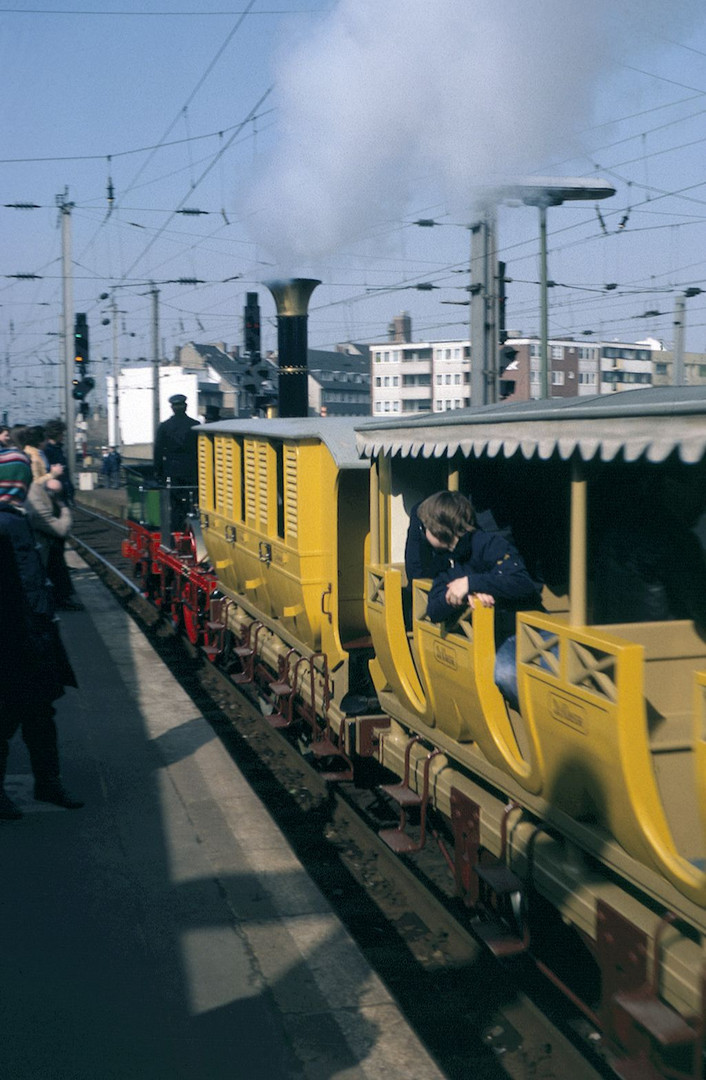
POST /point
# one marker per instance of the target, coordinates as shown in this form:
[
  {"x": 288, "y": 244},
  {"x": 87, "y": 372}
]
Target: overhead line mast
[{"x": 65, "y": 208}]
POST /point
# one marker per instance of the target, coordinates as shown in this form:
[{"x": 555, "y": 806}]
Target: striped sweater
[{"x": 15, "y": 476}]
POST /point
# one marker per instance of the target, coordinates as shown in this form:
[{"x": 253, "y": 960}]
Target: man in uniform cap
[{"x": 175, "y": 456}]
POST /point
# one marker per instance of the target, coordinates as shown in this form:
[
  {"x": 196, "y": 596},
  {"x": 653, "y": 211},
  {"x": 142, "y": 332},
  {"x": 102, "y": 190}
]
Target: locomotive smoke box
[{"x": 292, "y": 300}]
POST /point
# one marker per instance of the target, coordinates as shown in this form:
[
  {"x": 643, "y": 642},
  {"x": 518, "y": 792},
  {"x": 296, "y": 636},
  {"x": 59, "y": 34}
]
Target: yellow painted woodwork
[
  {"x": 588, "y": 710},
  {"x": 385, "y": 619},
  {"x": 456, "y": 663}
]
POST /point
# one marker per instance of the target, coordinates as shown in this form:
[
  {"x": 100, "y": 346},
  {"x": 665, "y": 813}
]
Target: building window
[
  {"x": 661, "y": 369},
  {"x": 378, "y": 380},
  {"x": 557, "y": 378},
  {"x": 557, "y": 352}
]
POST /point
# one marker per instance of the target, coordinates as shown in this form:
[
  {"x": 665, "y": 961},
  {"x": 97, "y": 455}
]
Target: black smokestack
[
  {"x": 292, "y": 300},
  {"x": 252, "y": 326}
]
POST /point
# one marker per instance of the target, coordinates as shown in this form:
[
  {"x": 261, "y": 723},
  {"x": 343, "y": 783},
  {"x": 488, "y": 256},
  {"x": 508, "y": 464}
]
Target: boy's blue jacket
[{"x": 489, "y": 560}]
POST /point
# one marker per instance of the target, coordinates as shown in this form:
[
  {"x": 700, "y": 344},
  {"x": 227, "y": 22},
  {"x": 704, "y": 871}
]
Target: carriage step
[
  {"x": 326, "y": 748},
  {"x": 281, "y": 689},
  {"x": 498, "y": 937},
  {"x": 400, "y": 842},
  {"x": 243, "y": 650},
  {"x": 211, "y": 651},
  {"x": 216, "y": 627},
  {"x": 664, "y": 1025},
  {"x": 635, "y": 1069},
  {"x": 403, "y": 795},
  {"x": 500, "y": 879},
  {"x": 278, "y": 720}
]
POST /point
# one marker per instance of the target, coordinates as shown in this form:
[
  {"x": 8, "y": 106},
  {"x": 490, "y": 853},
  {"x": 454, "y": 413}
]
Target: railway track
[{"x": 481, "y": 1019}]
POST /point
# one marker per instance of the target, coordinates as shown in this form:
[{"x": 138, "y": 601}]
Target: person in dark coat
[
  {"x": 34, "y": 659},
  {"x": 53, "y": 450},
  {"x": 471, "y": 567},
  {"x": 175, "y": 457}
]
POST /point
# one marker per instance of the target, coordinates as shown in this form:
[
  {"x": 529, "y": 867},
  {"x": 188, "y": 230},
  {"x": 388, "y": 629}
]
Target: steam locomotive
[{"x": 577, "y": 823}]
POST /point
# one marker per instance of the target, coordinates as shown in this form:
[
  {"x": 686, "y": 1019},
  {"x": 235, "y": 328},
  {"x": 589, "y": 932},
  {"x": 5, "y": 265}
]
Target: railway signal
[
  {"x": 81, "y": 341},
  {"x": 82, "y": 387}
]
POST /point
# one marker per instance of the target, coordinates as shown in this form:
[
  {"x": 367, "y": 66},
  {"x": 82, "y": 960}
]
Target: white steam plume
[{"x": 385, "y": 95}]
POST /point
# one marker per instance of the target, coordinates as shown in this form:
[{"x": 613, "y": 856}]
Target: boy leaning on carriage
[{"x": 471, "y": 566}]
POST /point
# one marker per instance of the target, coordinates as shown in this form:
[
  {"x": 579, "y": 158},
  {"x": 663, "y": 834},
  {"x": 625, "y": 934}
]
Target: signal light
[
  {"x": 81, "y": 340},
  {"x": 82, "y": 387}
]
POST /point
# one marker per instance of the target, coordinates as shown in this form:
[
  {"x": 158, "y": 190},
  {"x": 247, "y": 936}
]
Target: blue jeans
[{"x": 505, "y": 673}]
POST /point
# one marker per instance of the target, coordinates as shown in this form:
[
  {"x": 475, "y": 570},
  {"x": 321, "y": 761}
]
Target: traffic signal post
[{"x": 81, "y": 382}]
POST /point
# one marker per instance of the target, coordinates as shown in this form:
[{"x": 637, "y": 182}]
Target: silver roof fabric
[
  {"x": 650, "y": 424},
  {"x": 336, "y": 433}
]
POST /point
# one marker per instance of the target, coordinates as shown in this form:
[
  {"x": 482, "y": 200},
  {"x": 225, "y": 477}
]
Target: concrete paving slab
[{"x": 167, "y": 931}]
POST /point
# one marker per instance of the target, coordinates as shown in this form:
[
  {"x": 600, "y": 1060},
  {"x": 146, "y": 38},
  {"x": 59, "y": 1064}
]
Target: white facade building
[
  {"x": 410, "y": 377},
  {"x": 135, "y": 398}
]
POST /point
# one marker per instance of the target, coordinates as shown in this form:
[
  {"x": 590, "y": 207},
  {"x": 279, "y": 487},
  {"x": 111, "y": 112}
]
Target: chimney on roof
[
  {"x": 400, "y": 329},
  {"x": 252, "y": 326}
]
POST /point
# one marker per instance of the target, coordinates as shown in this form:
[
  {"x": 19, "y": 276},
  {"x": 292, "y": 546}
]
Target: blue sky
[{"x": 312, "y": 134}]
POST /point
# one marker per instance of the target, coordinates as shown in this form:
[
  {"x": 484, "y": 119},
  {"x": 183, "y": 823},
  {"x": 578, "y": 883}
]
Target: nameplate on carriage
[
  {"x": 444, "y": 655},
  {"x": 568, "y": 711}
]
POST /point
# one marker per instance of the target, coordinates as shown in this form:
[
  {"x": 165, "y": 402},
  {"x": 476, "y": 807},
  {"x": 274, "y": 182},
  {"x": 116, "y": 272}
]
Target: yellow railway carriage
[
  {"x": 594, "y": 793},
  {"x": 284, "y": 514}
]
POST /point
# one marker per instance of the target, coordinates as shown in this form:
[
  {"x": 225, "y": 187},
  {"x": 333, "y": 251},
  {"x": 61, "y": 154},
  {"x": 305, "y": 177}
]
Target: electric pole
[
  {"x": 65, "y": 208},
  {"x": 154, "y": 293},
  {"x": 484, "y": 310}
]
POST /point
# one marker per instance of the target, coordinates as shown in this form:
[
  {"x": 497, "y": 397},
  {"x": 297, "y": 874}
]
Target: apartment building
[
  {"x": 409, "y": 377},
  {"x": 577, "y": 369}
]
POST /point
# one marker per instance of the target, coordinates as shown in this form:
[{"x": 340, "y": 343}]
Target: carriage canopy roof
[
  {"x": 650, "y": 424},
  {"x": 336, "y": 433}
]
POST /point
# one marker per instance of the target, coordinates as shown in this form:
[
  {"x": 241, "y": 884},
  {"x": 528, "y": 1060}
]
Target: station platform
[{"x": 167, "y": 931}]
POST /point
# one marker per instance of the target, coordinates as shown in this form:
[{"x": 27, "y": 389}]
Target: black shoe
[
  {"x": 53, "y": 791},
  {"x": 70, "y": 604},
  {"x": 8, "y": 810}
]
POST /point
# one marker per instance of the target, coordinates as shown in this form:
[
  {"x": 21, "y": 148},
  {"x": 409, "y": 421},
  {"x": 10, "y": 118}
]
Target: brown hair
[
  {"x": 447, "y": 515},
  {"x": 54, "y": 429}
]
